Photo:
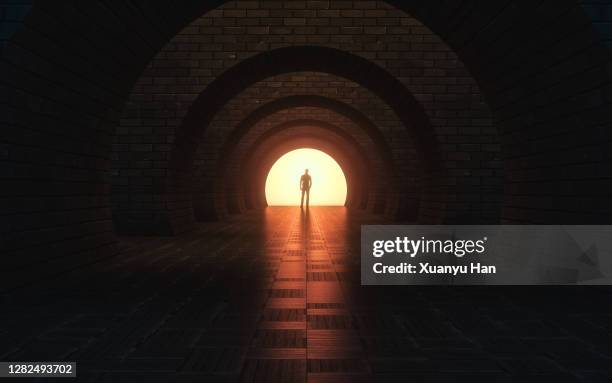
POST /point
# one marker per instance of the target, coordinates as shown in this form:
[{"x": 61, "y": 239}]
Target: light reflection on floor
[{"x": 275, "y": 296}]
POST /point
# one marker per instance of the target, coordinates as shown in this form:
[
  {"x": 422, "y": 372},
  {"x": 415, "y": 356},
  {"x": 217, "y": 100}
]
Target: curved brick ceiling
[{"x": 521, "y": 87}]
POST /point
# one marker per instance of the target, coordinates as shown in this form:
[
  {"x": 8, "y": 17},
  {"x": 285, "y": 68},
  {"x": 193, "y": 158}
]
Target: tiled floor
[{"x": 275, "y": 297}]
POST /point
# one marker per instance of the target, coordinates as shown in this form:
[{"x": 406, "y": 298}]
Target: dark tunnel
[{"x": 136, "y": 140}]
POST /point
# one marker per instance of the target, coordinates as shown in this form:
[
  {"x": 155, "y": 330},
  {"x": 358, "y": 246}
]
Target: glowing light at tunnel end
[{"x": 329, "y": 187}]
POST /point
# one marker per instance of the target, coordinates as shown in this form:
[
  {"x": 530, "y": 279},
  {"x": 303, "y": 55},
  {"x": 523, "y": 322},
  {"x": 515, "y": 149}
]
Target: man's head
[{"x": 306, "y": 171}]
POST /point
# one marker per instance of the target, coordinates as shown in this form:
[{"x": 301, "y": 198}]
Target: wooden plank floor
[{"x": 275, "y": 297}]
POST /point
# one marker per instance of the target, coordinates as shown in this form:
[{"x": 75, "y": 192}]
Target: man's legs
[
  {"x": 307, "y": 197},
  {"x": 302, "y": 203}
]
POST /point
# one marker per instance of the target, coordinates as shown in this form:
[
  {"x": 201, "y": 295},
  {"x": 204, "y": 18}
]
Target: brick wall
[
  {"x": 543, "y": 71},
  {"x": 67, "y": 69},
  {"x": 373, "y": 30},
  {"x": 290, "y": 119},
  {"x": 305, "y": 83}
]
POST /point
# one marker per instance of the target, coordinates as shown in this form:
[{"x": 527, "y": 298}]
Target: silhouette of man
[{"x": 305, "y": 185}]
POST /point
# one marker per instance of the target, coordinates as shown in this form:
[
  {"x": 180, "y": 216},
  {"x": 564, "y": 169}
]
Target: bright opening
[{"x": 328, "y": 181}]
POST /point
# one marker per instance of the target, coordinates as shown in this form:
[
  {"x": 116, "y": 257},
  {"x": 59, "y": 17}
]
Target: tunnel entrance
[{"x": 329, "y": 186}]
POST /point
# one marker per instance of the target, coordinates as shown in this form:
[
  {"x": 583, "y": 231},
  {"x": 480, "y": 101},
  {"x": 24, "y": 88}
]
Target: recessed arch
[
  {"x": 305, "y": 58},
  {"x": 243, "y": 189},
  {"x": 323, "y": 102},
  {"x": 470, "y": 28},
  {"x": 348, "y": 151},
  {"x": 409, "y": 210}
]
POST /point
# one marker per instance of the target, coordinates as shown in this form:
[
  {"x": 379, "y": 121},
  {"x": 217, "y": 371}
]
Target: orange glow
[{"x": 328, "y": 181}]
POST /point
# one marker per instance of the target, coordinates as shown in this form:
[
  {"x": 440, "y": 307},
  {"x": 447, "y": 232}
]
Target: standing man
[{"x": 305, "y": 184}]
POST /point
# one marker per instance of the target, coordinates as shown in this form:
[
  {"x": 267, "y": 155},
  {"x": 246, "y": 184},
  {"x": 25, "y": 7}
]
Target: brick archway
[
  {"x": 542, "y": 69},
  {"x": 378, "y": 148},
  {"x": 305, "y": 58},
  {"x": 292, "y": 59},
  {"x": 292, "y": 135}
]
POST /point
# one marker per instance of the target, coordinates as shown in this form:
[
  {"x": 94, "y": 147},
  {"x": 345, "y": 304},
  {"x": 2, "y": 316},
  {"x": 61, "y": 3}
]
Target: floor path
[{"x": 275, "y": 297}]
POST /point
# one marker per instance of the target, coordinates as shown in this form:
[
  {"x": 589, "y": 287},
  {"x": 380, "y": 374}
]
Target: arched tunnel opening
[
  {"x": 138, "y": 226},
  {"x": 330, "y": 188}
]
